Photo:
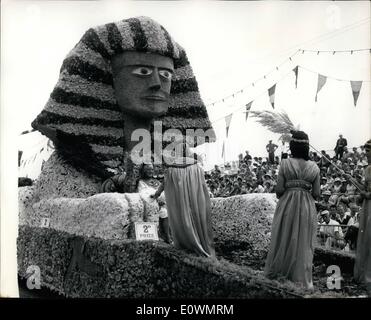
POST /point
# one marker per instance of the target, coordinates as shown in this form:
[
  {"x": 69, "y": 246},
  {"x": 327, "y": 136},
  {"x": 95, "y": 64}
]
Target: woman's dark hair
[{"x": 299, "y": 145}]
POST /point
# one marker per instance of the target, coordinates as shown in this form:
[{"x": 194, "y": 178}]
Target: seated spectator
[
  {"x": 351, "y": 234},
  {"x": 323, "y": 184},
  {"x": 324, "y": 204},
  {"x": 346, "y": 155},
  {"x": 333, "y": 213},
  {"x": 352, "y": 167},
  {"x": 337, "y": 186},
  {"x": 343, "y": 188},
  {"x": 343, "y": 216},
  {"x": 316, "y": 157},
  {"x": 356, "y": 154},
  {"x": 330, "y": 232},
  {"x": 351, "y": 189},
  {"x": 267, "y": 177},
  {"x": 323, "y": 162},
  {"x": 257, "y": 188},
  {"x": 235, "y": 190},
  {"x": 354, "y": 209},
  {"x": 268, "y": 187},
  {"x": 331, "y": 170}
]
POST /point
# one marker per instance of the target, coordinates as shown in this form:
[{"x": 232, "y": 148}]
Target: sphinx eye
[
  {"x": 166, "y": 74},
  {"x": 142, "y": 71}
]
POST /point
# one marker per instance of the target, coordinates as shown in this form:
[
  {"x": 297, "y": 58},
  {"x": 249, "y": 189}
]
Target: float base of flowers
[
  {"x": 91, "y": 267},
  {"x": 92, "y": 232},
  {"x": 243, "y": 222},
  {"x": 105, "y": 215}
]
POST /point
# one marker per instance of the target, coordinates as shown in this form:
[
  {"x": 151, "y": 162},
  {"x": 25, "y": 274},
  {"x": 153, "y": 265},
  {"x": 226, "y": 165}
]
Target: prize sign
[
  {"x": 45, "y": 222},
  {"x": 146, "y": 231}
]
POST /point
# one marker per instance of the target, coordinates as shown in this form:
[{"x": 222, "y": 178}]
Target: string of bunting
[
  {"x": 290, "y": 59},
  {"x": 322, "y": 79}
]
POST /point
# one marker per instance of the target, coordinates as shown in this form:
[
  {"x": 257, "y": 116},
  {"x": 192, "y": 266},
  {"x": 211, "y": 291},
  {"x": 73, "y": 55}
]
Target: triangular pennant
[
  {"x": 356, "y": 88},
  {"x": 271, "y": 93},
  {"x": 321, "y": 82},
  {"x": 248, "y": 107},
  {"x": 228, "y": 120},
  {"x": 296, "y": 71}
]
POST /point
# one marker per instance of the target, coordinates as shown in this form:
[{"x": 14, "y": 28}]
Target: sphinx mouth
[{"x": 155, "y": 98}]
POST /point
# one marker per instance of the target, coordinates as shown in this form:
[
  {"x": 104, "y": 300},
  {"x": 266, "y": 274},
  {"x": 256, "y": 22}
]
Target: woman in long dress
[
  {"x": 188, "y": 205},
  {"x": 295, "y": 220},
  {"x": 362, "y": 267}
]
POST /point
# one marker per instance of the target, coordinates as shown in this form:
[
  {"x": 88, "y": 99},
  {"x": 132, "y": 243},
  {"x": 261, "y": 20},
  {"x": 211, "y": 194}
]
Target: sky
[{"x": 229, "y": 45}]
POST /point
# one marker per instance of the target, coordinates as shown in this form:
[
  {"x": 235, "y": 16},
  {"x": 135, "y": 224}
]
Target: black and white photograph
[{"x": 185, "y": 150}]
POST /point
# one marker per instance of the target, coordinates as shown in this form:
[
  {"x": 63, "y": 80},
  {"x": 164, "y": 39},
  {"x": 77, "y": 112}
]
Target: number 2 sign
[
  {"x": 146, "y": 231},
  {"x": 45, "y": 222}
]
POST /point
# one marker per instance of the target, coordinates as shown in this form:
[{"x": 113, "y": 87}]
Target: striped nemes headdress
[
  {"x": 82, "y": 114},
  {"x": 367, "y": 145}
]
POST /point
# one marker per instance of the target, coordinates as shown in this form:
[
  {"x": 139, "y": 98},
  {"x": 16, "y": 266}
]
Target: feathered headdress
[{"x": 279, "y": 123}]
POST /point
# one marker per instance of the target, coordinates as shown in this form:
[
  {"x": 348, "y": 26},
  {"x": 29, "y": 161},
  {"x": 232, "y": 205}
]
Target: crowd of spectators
[
  {"x": 250, "y": 175},
  {"x": 339, "y": 205}
]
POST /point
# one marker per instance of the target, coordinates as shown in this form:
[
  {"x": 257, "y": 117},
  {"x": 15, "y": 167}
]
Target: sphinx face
[{"x": 142, "y": 83}]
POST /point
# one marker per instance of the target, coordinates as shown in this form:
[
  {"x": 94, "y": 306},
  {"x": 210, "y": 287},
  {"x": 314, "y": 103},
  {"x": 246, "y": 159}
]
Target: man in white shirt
[{"x": 330, "y": 231}]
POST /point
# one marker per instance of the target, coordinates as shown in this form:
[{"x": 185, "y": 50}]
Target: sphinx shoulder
[{"x": 59, "y": 179}]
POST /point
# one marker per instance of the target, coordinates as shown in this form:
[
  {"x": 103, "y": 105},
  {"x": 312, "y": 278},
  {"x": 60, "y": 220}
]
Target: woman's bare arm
[
  {"x": 280, "y": 187},
  {"x": 316, "y": 188}
]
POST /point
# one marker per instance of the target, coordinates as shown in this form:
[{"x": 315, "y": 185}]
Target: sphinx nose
[{"x": 155, "y": 81}]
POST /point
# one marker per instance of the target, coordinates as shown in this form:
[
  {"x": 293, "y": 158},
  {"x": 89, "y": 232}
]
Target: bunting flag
[
  {"x": 296, "y": 71},
  {"x": 271, "y": 93},
  {"x": 223, "y": 150},
  {"x": 356, "y": 88},
  {"x": 228, "y": 120},
  {"x": 248, "y": 107},
  {"x": 321, "y": 82}
]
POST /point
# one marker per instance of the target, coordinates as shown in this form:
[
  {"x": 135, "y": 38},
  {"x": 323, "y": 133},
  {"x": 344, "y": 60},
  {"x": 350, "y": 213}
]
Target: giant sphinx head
[{"x": 128, "y": 68}]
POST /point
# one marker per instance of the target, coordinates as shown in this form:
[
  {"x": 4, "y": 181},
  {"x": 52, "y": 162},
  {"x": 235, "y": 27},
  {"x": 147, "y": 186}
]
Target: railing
[{"x": 344, "y": 240}]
